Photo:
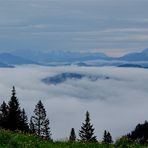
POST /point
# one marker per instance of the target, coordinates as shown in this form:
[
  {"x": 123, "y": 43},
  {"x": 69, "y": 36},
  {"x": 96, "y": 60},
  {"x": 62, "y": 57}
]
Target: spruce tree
[
  {"x": 140, "y": 133},
  {"x": 107, "y": 138},
  {"x": 40, "y": 122},
  {"x": 87, "y": 131},
  {"x": 72, "y": 136},
  {"x": 46, "y": 130},
  {"x": 4, "y": 115},
  {"x": 31, "y": 126},
  {"x": 24, "y": 122},
  {"x": 14, "y": 114}
]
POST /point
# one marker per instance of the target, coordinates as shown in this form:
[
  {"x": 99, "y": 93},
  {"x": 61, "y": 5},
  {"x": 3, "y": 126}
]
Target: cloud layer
[
  {"x": 116, "y": 104},
  {"x": 75, "y": 25}
]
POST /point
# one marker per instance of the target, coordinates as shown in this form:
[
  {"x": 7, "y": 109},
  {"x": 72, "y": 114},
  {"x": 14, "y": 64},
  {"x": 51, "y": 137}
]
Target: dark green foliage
[
  {"x": 39, "y": 121},
  {"x": 4, "y": 115},
  {"x": 24, "y": 122},
  {"x": 14, "y": 115},
  {"x": 10, "y": 139},
  {"x": 124, "y": 142},
  {"x": 31, "y": 126},
  {"x": 72, "y": 136},
  {"x": 107, "y": 138},
  {"x": 46, "y": 130},
  {"x": 140, "y": 133},
  {"x": 87, "y": 131},
  {"x": 11, "y": 116}
]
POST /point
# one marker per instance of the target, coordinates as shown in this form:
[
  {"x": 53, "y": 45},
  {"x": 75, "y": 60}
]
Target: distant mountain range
[
  {"x": 10, "y": 59},
  {"x": 54, "y": 58},
  {"x": 60, "y": 56},
  {"x": 141, "y": 56}
]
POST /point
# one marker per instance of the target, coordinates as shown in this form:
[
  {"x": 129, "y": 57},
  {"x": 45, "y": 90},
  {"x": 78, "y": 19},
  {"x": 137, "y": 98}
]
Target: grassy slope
[{"x": 17, "y": 140}]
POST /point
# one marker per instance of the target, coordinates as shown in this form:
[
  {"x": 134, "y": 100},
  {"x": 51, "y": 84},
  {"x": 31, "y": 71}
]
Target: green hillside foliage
[{"x": 9, "y": 139}]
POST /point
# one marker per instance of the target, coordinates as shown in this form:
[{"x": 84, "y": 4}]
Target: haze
[
  {"x": 116, "y": 104},
  {"x": 111, "y": 26}
]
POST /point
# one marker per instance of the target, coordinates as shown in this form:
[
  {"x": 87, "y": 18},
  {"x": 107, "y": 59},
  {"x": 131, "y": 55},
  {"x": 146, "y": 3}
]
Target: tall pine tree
[
  {"x": 40, "y": 122},
  {"x": 31, "y": 126},
  {"x": 14, "y": 115},
  {"x": 4, "y": 115},
  {"x": 87, "y": 131},
  {"x": 46, "y": 130},
  {"x": 72, "y": 136},
  {"x": 107, "y": 138},
  {"x": 24, "y": 121}
]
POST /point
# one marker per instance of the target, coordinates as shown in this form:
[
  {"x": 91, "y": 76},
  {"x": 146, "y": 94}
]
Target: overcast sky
[{"x": 111, "y": 26}]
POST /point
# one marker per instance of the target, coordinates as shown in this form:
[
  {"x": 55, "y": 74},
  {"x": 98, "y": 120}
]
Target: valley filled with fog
[{"x": 116, "y": 97}]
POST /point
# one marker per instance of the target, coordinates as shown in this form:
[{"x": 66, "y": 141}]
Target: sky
[
  {"x": 117, "y": 104},
  {"x": 115, "y": 27}
]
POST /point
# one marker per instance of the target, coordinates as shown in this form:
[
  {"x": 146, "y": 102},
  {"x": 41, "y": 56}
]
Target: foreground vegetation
[
  {"x": 9, "y": 139},
  {"x": 16, "y": 132}
]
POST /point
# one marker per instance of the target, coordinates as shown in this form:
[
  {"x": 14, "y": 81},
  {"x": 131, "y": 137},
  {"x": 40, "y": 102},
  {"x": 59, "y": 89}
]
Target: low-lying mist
[{"x": 116, "y": 104}]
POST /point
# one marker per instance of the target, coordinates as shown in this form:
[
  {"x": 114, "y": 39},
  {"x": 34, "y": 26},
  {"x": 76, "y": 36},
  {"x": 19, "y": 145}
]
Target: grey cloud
[
  {"x": 75, "y": 25},
  {"x": 107, "y": 100}
]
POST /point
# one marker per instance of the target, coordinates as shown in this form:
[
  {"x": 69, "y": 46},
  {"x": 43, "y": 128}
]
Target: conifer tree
[
  {"x": 40, "y": 122},
  {"x": 87, "y": 131},
  {"x": 140, "y": 133},
  {"x": 4, "y": 115},
  {"x": 24, "y": 122},
  {"x": 72, "y": 136},
  {"x": 31, "y": 126},
  {"x": 107, "y": 138},
  {"x": 14, "y": 114},
  {"x": 46, "y": 130}
]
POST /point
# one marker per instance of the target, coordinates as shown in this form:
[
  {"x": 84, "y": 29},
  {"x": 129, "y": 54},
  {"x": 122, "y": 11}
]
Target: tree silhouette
[
  {"x": 14, "y": 114},
  {"x": 31, "y": 126},
  {"x": 46, "y": 130},
  {"x": 107, "y": 138},
  {"x": 24, "y": 122},
  {"x": 140, "y": 133},
  {"x": 40, "y": 122},
  {"x": 87, "y": 131},
  {"x": 4, "y": 115},
  {"x": 72, "y": 136}
]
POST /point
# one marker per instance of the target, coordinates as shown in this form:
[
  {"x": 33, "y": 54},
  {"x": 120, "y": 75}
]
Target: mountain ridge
[
  {"x": 67, "y": 58},
  {"x": 10, "y": 60},
  {"x": 136, "y": 56}
]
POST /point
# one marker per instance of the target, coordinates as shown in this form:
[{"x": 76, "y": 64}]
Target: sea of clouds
[{"x": 117, "y": 104}]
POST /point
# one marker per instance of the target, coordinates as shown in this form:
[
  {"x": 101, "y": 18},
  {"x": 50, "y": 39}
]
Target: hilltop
[{"x": 19, "y": 140}]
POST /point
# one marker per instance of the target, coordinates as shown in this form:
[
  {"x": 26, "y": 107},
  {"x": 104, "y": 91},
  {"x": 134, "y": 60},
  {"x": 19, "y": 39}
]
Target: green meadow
[{"x": 10, "y": 139}]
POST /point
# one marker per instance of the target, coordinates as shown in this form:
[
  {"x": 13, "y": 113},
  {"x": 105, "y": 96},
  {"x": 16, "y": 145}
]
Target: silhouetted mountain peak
[
  {"x": 136, "y": 56},
  {"x": 11, "y": 59}
]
